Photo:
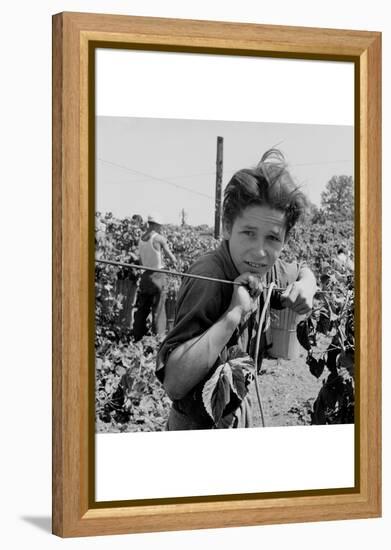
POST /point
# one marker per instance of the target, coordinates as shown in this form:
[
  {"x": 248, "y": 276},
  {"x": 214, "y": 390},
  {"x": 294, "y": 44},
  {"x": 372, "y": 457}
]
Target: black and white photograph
[{"x": 224, "y": 274}]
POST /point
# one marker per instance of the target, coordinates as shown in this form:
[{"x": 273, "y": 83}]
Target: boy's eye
[
  {"x": 274, "y": 238},
  {"x": 249, "y": 233}
]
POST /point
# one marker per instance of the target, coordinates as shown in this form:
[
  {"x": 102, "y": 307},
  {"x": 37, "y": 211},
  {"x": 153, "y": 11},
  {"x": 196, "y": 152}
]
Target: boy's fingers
[
  {"x": 253, "y": 284},
  {"x": 286, "y": 292},
  {"x": 249, "y": 279},
  {"x": 301, "y": 308},
  {"x": 289, "y": 295}
]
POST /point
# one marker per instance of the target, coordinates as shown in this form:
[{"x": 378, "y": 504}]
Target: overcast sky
[{"x": 149, "y": 165}]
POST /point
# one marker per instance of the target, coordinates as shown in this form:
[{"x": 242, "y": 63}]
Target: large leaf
[
  {"x": 302, "y": 334},
  {"x": 346, "y": 361},
  {"x": 216, "y": 392},
  {"x": 316, "y": 366},
  {"x": 239, "y": 386},
  {"x": 235, "y": 352},
  {"x": 324, "y": 324},
  {"x": 227, "y": 386}
]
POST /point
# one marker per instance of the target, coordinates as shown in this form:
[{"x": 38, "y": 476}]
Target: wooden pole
[
  {"x": 183, "y": 217},
  {"x": 219, "y": 179}
]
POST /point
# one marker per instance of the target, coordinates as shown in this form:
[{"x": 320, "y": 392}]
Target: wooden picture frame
[{"x": 75, "y": 512}]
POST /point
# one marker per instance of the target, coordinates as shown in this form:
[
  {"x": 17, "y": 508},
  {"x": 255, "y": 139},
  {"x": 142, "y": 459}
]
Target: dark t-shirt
[{"x": 201, "y": 303}]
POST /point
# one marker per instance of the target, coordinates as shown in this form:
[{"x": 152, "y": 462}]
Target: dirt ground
[{"x": 288, "y": 390}]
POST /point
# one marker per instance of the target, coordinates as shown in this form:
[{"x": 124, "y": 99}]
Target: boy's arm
[{"x": 191, "y": 361}]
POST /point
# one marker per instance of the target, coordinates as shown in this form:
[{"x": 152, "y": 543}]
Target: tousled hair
[{"x": 270, "y": 184}]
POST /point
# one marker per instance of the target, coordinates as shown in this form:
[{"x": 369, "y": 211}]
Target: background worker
[{"x": 153, "y": 286}]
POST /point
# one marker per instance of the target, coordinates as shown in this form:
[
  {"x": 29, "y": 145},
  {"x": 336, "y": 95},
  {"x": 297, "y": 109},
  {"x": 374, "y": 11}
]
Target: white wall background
[{"x": 25, "y": 131}]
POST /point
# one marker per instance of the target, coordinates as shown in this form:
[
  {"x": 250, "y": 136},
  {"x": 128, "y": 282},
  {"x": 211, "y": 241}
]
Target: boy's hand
[
  {"x": 244, "y": 296},
  {"x": 299, "y": 297}
]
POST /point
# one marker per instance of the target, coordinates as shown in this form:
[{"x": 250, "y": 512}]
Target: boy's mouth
[{"x": 255, "y": 265}]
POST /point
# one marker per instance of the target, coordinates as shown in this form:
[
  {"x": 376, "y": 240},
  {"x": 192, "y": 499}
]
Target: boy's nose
[{"x": 260, "y": 251}]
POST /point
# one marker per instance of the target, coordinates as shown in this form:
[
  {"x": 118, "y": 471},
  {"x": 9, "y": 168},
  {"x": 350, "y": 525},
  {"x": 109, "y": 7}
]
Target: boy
[{"x": 216, "y": 322}]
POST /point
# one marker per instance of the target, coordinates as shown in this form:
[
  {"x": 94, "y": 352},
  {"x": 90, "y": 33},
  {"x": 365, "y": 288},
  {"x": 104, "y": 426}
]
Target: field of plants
[{"x": 315, "y": 388}]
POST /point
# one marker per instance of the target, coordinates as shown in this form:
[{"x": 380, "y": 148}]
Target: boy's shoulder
[{"x": 210, "y": 263}]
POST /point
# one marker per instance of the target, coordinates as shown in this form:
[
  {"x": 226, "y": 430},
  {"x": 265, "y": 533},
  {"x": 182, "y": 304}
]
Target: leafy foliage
[
  {"x": 306, "y": 333},
  {"x": 128, "y": 395},
  {"x": 335, "y": 402},
  {"x": 115, "y": 240},
  {"x": 337, "y": 199}
]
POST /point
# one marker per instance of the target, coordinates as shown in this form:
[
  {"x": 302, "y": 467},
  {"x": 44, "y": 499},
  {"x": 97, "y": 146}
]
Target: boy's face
[{"x": 256, "y": 239}]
